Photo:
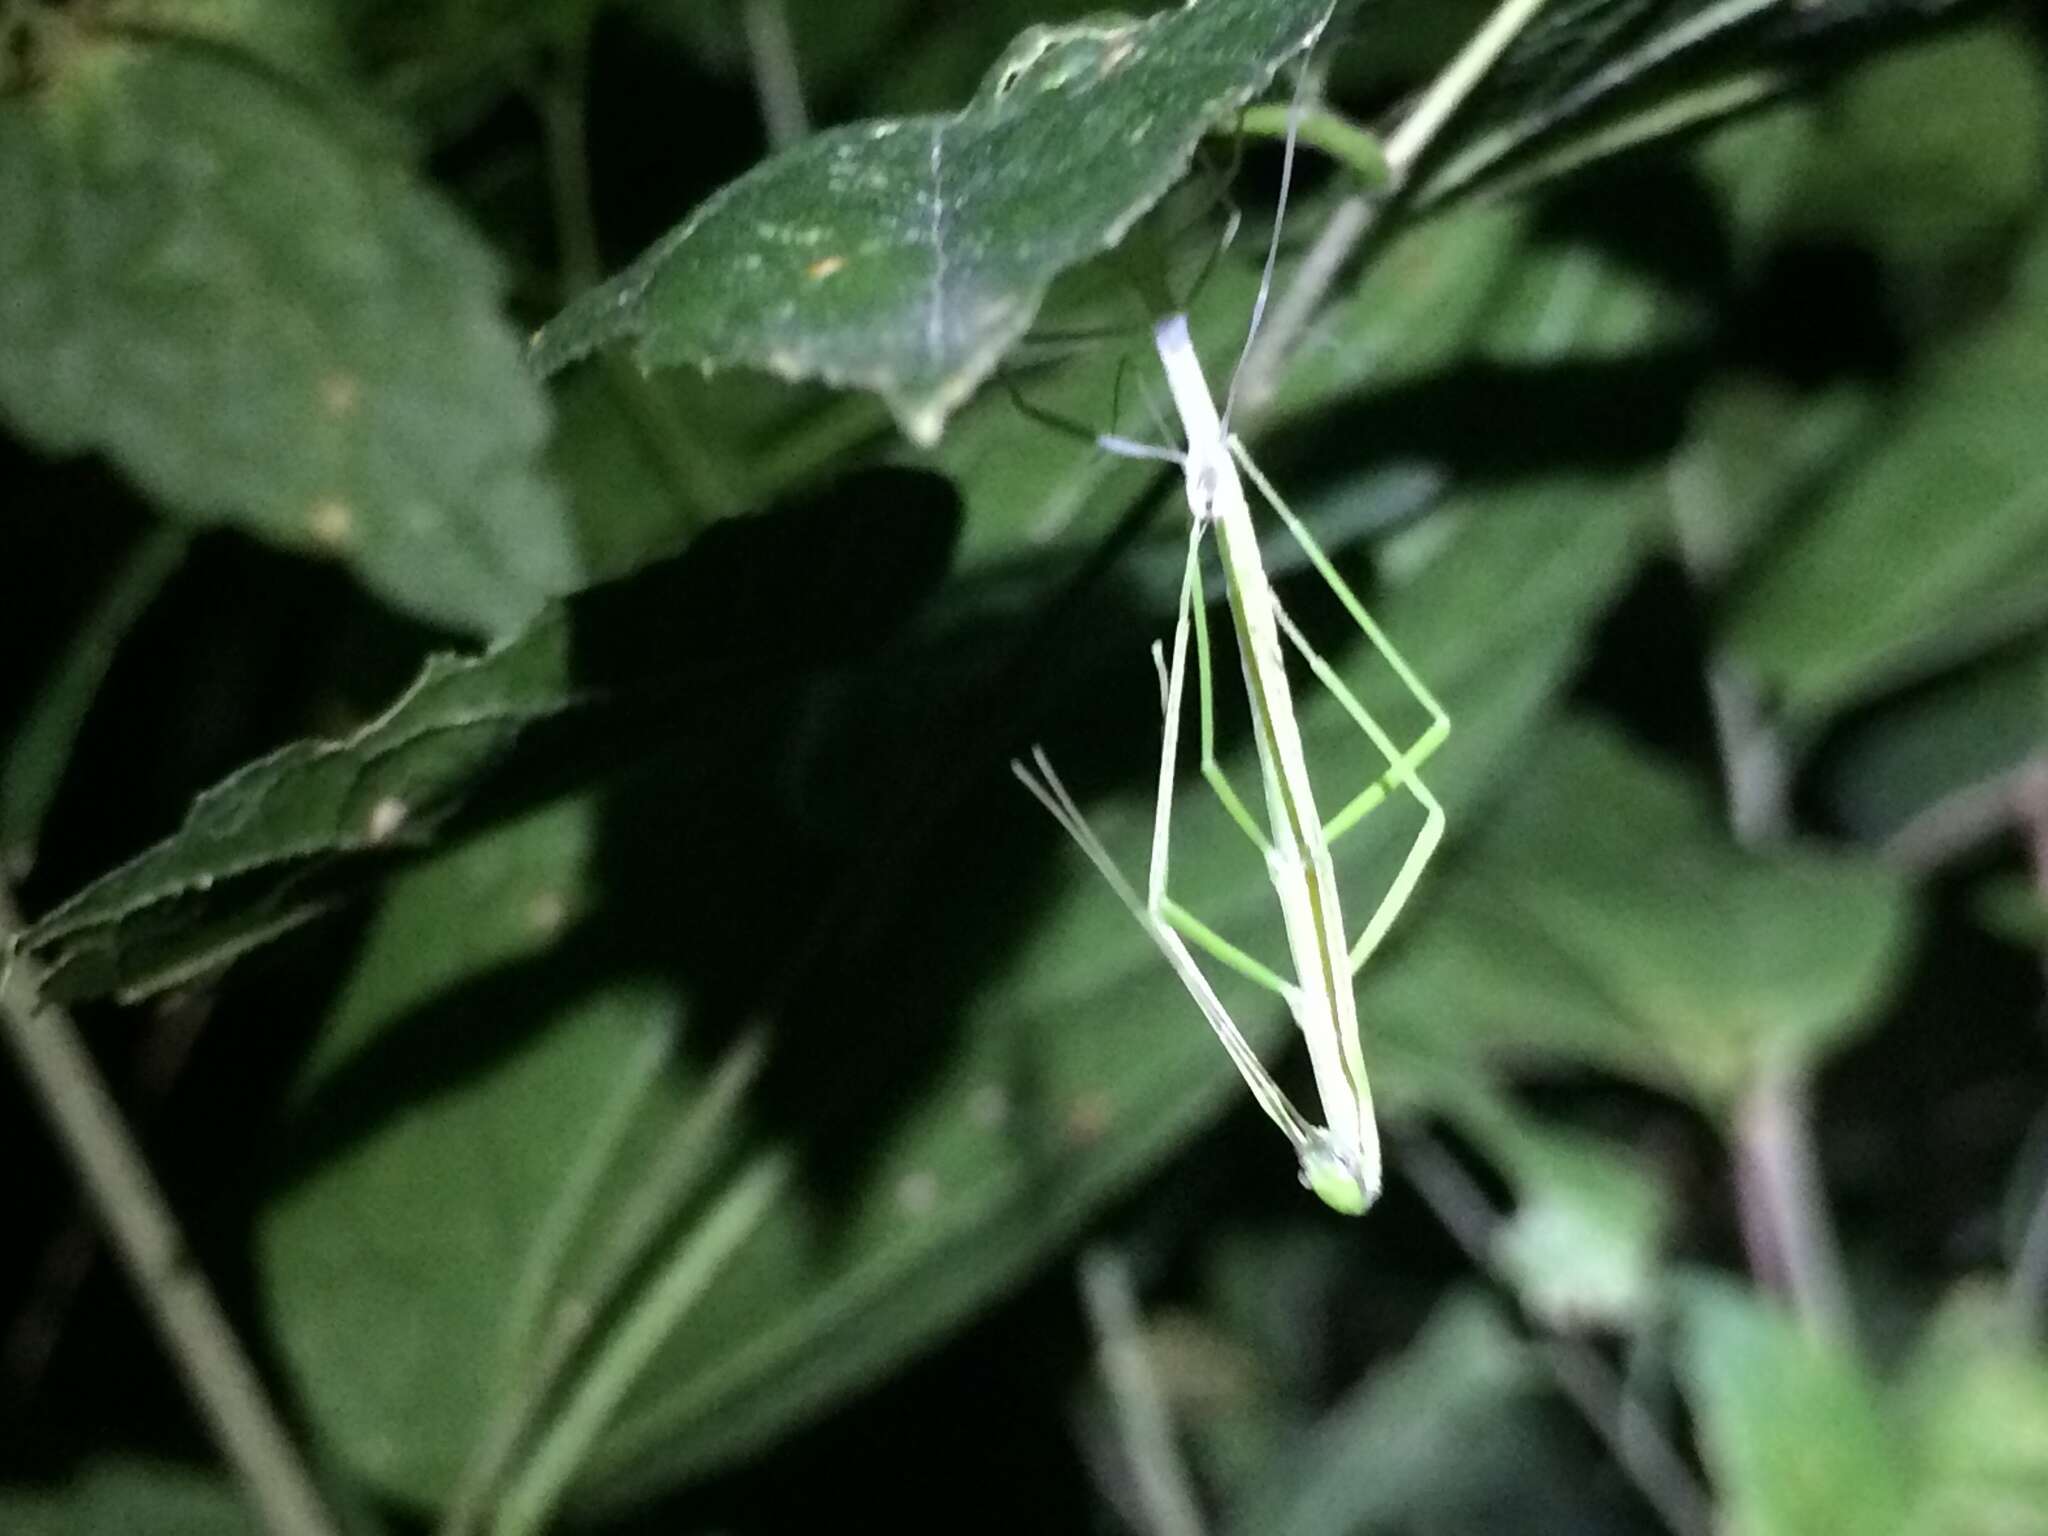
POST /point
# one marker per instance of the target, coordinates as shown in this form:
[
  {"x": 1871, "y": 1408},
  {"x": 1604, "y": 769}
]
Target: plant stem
[
  {"x": 139, "y": 1224},
  {"x": 778, "y": 82},
  {"x": 2026, "y": 1288},
  {"x": 1407, "y": 144},
  {"x": 1786, "y": 1228},
  {"x": 1165, "y": 1501},
  {"x": 1694, "y": 109},
  {"x": 42, "y": 744},
  {"x": 699, "y": 482},
  {"x": 560, "y": 102},
  {"x": 1963, "y": 819},
  {"x": 68, "y": 1262},
  {"x": 1332, "y": 133},
  {"x": 1354, "y": 218},
  {"x": 1700, "y": 28},
  {"x": 1592, "y": 1386}
]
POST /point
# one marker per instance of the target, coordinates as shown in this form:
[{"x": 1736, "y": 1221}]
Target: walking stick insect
[{"x": 1339, "y": 1160}]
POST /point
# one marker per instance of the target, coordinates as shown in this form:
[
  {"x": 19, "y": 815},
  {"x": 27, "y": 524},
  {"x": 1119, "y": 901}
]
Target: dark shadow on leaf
[
  {"x": 855, "y": 881},
  {"x": 692, "y": 674},
  {"x": 1485, "y": 423},
  {"x": 1818, "y": 312},
  {"x": 1658, "y": 218}
]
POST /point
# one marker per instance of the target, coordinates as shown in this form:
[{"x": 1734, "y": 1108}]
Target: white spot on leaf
[
  {"x": 546, "y": 913},
  {"x": 331, "y": 522},
  {"x": 917, "y": 1194},
  {"x": 339, "y": 393},
  {"x": 1088, "y": 1119},
  {"x": 386, "y": 817},
  {"x": 989, "y": 1107}
]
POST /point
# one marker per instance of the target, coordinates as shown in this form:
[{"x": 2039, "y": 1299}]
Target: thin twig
[
  {"x": 48, "y": 733},
  {"x": 566, "y": 143},
  {"x": 68, "y": 1260},
  {"x": 1787, "y": 1230},
  {"x": 1165, "y": 1497},
  {"x": 1756, "y": 769},
  {"x": 1963, "y": 819},
  {"x": 2030, "y": 811},
  {"x": 1588, "y": 1382},
  {"x": 2027, "y": 1287},
  {"x": 139, "y": 1224},
  {"x": 1356, "y": 216},
  {"x": 699, "y": 483},
  {"x": 1333, "y": 134},
  {"x": 1699, "y": 28},
  {"x": 1408, "y": 143},
  {"x": 778, "y": 80},
  {"x": 1288, "y": 319}
]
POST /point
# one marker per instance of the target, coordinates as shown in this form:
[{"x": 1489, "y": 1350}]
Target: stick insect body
[
  {"x": 1341, "y": 1162},
  {"x": 1340, "y": 1159}
]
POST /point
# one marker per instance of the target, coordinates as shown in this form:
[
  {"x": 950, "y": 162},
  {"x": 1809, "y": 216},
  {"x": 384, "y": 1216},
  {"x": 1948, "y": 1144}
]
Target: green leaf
[
  {"x": 1606, "y": 917},
  {"x": 1584, "y": 1245},
  {"x": 1934, "y": 772},
  {"x": 905, "y": 256},
  {"x": 213, "y": 280},
  {"x": 1800, "y": 1439},
  {"x": 1975, "y": 1401},
  {"x": 1018, "y": 1132},
  {"x": 1755, "y": 451},
  {"x": 752, "y": 605},
  {"x": 1871, "y": 589},
  {"x": 1793, "y": 1429},
  {"x": 114, "y": 1497},
  {"x": 1476, "y": 315},
  {"x": 301, "y": 40},
  {"x": 648, "y": 461},
  {"x": 394, "y": 1350},
  {"x": 1081, "y": 1035},
  {"x": 1014, "y": 1101},
  {"x": 1932, "y": 196},
  {"x": 250, "y": 860},
  {"x": 2014, "y": 909},
  {"x": 1421, "y": 1434},
  {"x": 1415, "y": 310},
  {"x": 1918, "y": 186}
]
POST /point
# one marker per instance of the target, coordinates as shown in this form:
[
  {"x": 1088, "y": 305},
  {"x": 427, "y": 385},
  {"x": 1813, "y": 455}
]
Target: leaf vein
[{"x": 935, "y": 322}]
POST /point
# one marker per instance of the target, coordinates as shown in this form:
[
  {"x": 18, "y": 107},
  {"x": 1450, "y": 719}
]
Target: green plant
[{"x": 678, "y": 1066}]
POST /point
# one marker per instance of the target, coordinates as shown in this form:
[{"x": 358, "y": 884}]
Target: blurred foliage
[{"x": 538, "y": 855}]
